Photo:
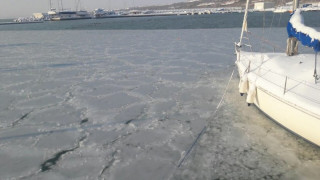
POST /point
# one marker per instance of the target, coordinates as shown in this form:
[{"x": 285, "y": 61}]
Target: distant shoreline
[{"x": 13, "y": 23}]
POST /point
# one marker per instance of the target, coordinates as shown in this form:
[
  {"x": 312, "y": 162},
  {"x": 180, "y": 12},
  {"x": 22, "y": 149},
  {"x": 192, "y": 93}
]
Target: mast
[
  {"x": 133, "y": 4},
  {"x": 50, "y": 5},
  {"x": 244, "y": 24},
  {"x": 295, "y": 5},
  {"x": 78, "y": 5},
  {"x": 61, "y": 6},
  {"x": 292, "y": 42},
  {"x": 58, "y": 3}
]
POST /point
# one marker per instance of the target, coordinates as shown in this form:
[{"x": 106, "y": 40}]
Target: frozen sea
[{"x": 128, "y": 104}]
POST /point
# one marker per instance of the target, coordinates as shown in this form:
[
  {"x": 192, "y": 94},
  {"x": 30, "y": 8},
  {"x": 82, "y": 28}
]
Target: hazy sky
[{"x": 25, "y": 8}]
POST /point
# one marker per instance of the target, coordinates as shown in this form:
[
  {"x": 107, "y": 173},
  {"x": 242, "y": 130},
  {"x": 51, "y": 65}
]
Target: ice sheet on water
[
  {"x": 17, "y": 160},
  {"x": 120, "y": 104},
  {"x": 242, "y": 142},
  {"x": 131, "y": 113}
]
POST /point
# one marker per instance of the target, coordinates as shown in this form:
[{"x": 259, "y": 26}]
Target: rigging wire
[
  {"x": 262, "y": 38},
  {"x": 205, "y": 127},
  {"x": 271, "y": 25},
  {"x": 280, "y": 15},
  {"x": 266, "y": 41},
  {"x": 263, "y": 31}
]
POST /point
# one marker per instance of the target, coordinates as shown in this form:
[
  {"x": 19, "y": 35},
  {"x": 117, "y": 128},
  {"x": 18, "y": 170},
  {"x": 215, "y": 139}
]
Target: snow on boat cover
[{"x": 306, "y": 35}]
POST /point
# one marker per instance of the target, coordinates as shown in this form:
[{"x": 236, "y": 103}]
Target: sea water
[
  {"x": 223, "y": 20},
  {"x": 128, "y": 104}
]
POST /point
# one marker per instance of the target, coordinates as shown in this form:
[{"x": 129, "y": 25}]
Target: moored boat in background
[
  {"x": 64, "y": 14},
  {"x": 101, "y": 13},
  {"x": 68, "y": 15}
]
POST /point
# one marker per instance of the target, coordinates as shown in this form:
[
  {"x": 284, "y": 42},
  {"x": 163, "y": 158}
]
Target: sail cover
[{"x": 306, "y": 35}]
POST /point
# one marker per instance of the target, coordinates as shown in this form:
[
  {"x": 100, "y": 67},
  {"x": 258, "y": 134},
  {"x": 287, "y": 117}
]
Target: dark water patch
[
  {"x": 84, "y": 121},
  {"x": 24, "y": 116},
  {"x": 138, "y": 119},
  {"x": 129, "y": 121},
  {"x": 47, "y": 165},
  {"x": 162, "y": 119},
  {"x": 81, "y": 139},
  {"x": 21, "y": 119},
  {"x": 165, "y": 118},
  {"x": 276, "y": 176}
]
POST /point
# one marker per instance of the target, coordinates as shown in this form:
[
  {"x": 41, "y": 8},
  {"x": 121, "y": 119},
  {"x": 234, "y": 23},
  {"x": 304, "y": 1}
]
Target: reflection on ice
[{"x": 128, "y": 105}]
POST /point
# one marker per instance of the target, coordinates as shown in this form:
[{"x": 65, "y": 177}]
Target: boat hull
[
  {"x": 71, "y": 18},
  {"x": 290, "y": 115}
]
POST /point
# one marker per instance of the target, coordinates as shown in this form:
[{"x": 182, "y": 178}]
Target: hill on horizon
[{"x": 216, "y": 4}]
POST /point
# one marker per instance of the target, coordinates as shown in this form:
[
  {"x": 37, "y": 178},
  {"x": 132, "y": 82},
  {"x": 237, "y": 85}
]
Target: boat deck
[{"x": 287, "y": 77}]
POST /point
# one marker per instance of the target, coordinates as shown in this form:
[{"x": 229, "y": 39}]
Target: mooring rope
[{"x": 205, "y": 127}]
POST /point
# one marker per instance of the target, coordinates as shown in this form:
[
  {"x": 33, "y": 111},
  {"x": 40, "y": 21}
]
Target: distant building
[
  {"x": 40, "y": 16},
  {"x": 289, "y": 3},
  {"x": 263, "y": 5},
  {"x": 316, "y": 4}
]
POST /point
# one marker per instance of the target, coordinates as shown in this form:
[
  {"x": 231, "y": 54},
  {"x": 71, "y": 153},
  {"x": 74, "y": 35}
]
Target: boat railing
[{"x": 287, "y": 80}]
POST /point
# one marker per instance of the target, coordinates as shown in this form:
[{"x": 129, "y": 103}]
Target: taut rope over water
[{"x": 205, "y": 127}]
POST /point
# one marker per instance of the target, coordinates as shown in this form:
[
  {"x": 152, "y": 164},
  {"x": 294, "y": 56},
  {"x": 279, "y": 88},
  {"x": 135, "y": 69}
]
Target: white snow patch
[{"x": 297, "y": 22}]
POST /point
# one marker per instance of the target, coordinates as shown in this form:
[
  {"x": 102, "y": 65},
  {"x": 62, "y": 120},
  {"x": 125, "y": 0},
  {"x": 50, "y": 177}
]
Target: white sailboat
[
  {"x": 285, "y": 86},
  {"x": 64, "y": 14}
]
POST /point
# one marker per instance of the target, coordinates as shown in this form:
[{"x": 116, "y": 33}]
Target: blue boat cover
[{"x": 303, "y": 38}]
